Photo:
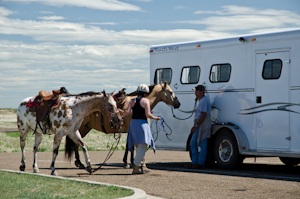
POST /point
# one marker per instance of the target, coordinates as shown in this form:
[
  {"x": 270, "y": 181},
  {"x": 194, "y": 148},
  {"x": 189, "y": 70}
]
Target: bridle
[{"x": 112, "y": 114}]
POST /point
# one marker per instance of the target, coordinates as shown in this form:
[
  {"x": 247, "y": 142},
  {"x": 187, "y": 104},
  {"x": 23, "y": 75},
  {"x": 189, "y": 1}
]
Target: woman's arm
[
  {"x": 130, "y": 105},
  {"x": 145, "y": 103}
]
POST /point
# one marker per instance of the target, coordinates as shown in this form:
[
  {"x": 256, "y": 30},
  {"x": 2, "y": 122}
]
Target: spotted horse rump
[{"x": 65, "y": 119}]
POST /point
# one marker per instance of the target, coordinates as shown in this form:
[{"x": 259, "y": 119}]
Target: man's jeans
[{"x": 198, "y": 157}]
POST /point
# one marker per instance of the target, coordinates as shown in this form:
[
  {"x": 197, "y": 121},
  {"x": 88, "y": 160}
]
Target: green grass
[
  {"x": 94, "y": 141},
  {"x": 16, "y": 185}
]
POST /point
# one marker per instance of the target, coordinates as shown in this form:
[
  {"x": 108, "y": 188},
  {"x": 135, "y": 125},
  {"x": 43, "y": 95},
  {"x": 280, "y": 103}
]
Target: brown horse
[{"x": 159, "y": 92}]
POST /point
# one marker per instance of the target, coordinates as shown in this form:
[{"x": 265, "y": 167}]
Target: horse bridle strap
[
  {"x": 111, "y": 113},
  {"x": 102, "y": 124}
]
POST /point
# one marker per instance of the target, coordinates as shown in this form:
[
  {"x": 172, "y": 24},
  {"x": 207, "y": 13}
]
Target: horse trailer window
[
  {"x": 272, "y": 69},
  {"x": 190, "y": 75},
  {"x": 163, "y": 74},
  {"x": 220, "y": 73}
]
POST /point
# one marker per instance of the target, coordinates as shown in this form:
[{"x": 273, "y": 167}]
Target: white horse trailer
[{"x": 253, "y": 83}]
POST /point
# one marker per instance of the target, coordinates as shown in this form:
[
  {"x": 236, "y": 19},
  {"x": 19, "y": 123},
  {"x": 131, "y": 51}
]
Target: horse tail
[{"x": 69, "y": 148}]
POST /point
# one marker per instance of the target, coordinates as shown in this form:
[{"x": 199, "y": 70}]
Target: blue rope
[{"x": 163, "y": 124}]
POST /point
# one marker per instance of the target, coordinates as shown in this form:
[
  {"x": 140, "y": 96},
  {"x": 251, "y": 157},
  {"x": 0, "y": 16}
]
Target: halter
[{"x": 112, "y": 114}]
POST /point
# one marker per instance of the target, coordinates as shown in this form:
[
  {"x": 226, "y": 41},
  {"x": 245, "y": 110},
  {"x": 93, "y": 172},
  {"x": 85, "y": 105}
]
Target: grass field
[
  {"x": 16, "y": 185},
  {"x": 94, "y": 141}
]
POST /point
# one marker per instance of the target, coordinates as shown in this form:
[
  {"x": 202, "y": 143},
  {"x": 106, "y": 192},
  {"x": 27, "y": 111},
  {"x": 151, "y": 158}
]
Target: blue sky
[{"x": 93, "y": 45}]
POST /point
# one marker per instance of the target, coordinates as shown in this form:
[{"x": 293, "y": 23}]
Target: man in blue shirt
[{"x": 201, "y": 129}]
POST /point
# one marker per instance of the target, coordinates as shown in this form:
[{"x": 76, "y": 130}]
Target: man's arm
[{"x": 199, "y": 122}]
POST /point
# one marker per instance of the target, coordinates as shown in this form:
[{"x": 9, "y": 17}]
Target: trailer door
[{"x": 272, "y": 94}]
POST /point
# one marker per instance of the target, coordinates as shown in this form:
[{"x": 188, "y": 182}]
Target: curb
[{"x": 138, "y": 193}]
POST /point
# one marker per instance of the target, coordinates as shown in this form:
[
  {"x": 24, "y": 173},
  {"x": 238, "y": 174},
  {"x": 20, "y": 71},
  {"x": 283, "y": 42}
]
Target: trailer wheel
[
  {"x": 226, "y": 151},
  {"x": 290, "y": 161}
]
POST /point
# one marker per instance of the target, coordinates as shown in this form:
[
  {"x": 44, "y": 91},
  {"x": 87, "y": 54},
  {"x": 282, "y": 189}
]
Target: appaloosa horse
[
  {"x": 65, "y": 119},
  {"x": 159, "y": 92}
]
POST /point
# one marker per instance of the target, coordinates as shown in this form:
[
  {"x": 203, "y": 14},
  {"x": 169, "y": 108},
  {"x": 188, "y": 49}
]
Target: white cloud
[
  {"x": 52, "y": 18},
  {"x": 45, "y": 12},
  {"x": 246, "y": 18},
  {"x": 112, "y": 5},
  {"x": 5, "y": 12},
  {"x": 28, "y": 68},
  {"x": 103, "y": 23},
  {"x": 59, "y": 31}
]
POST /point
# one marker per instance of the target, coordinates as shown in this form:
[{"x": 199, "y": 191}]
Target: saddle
[
  {"x": 120, "y": 98},
  {"x": 42, "y": 104}
]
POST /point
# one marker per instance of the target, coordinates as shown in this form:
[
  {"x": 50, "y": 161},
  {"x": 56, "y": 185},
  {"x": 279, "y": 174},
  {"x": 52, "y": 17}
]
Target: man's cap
[{"x": 199, "y": 88}]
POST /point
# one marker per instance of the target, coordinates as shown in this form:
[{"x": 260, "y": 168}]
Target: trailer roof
[{"x": 234, "y": 40}]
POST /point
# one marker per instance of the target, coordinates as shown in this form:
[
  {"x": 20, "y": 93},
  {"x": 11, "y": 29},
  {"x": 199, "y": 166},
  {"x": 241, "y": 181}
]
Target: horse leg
[
  {"x": 78, "y": 163},
  {"x": 84, "y": 130},
  {"x": 126, "y": 165},
  {"x": 57, "y": 139},
  {"x": 38, "y": 140},
  {"x": 23, "y": 135},
  {"x": 76, "y": 137}
]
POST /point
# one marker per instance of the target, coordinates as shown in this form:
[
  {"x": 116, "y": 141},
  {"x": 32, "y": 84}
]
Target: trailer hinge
[{"x": 288, "y": 138}]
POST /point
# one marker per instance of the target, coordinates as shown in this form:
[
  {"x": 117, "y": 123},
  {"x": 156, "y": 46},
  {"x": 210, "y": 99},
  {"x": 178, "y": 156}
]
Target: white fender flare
[{"x": 241, "y": 138}]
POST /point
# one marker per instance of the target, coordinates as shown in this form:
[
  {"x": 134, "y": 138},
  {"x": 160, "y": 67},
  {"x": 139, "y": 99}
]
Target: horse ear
[
  {"x": 165, "y": 85},
  {"x": 104, "y": 93},
  {"x": 112, "y": 93}
]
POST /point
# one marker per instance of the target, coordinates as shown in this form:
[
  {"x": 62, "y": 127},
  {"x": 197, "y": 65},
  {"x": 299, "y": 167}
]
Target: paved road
[{"x": 265, "y": 178}]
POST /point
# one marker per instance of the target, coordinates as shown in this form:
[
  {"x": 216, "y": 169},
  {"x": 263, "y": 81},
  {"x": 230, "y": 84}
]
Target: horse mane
[{"x": 89, "y": 93}]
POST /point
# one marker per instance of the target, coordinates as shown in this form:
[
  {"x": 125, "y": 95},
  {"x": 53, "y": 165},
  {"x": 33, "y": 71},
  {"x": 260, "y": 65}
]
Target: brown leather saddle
[
  {"x": 120, "y": 98},
  {"x": 42, "y": 104}
]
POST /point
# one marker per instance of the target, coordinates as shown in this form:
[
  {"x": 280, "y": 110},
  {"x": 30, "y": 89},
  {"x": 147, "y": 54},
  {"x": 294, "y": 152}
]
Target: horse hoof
[
  {"x": 81, "y": 166},
  {"x": 89, "y": 169},
  {"x": 126, "y": 166},
  {"x": 36, "y": 170},
  {"x": 54, "y": 173},
  {"x": 77, "y": 163},
  {"x": 22, "y": 167}
]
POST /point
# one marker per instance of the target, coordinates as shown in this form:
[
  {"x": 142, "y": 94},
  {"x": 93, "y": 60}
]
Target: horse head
[
  {"x": 165, "y": 94},
  {"x": 110, "y": 109}
]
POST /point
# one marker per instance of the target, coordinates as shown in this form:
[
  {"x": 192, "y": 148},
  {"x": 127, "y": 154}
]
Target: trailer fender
[{"x": 241, "y": 138}]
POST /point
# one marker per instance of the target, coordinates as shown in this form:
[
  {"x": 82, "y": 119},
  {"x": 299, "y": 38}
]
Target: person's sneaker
[
  {"x": 136, "y": 170},
  {"x": 140, "y": 170},
  {"x": 145, "y": 169}
]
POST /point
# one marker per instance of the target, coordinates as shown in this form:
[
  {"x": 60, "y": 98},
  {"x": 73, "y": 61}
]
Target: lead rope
[
  {"x": 163, "y": 124},
  {"x": 192, "y": 112},
  {"x": 110, "y": 153}
]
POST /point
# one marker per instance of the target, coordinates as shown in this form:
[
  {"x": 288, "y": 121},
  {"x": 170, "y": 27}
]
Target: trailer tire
[
  {"x": 290, "y": 161},
  {"x": 226, "y": 151}
]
